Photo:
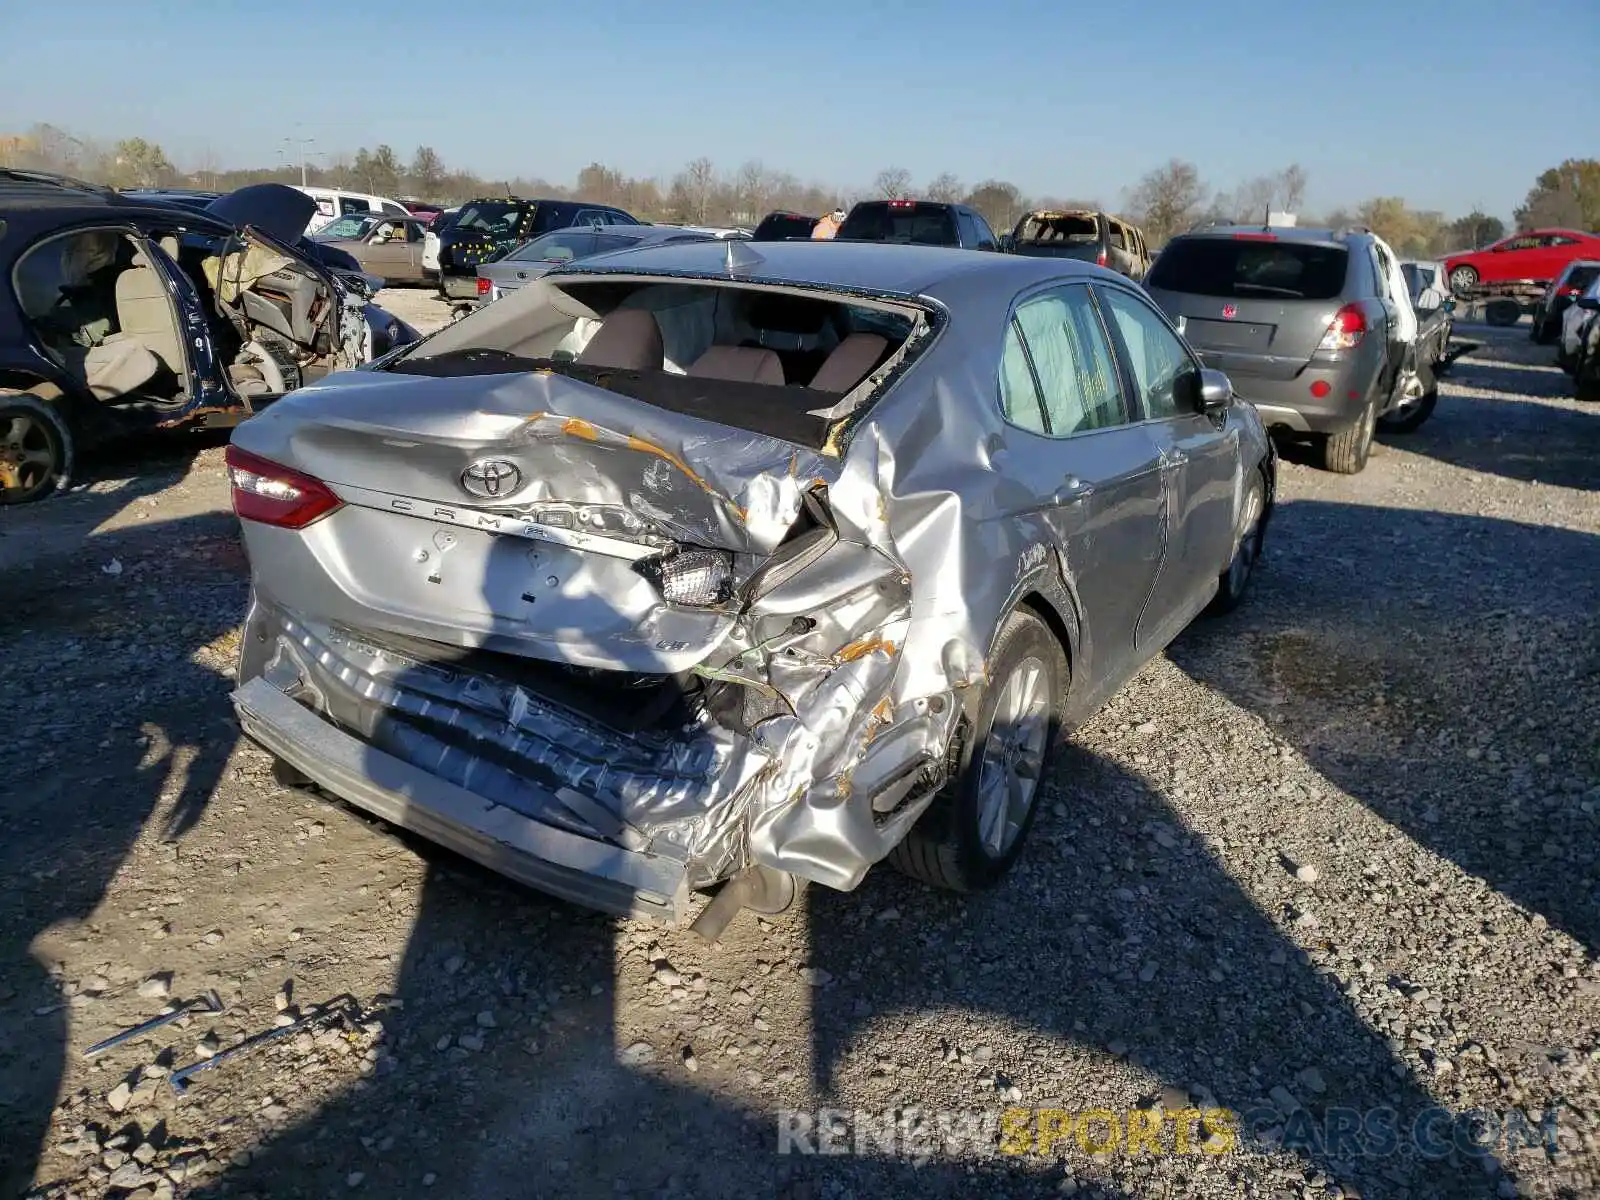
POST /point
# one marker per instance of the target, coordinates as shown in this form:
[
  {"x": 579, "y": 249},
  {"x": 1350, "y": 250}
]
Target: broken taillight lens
[
  {"x": 274, "y": 494},
  {"x": 1345, "y": 331},
  {"x": 698, "y": 578}
]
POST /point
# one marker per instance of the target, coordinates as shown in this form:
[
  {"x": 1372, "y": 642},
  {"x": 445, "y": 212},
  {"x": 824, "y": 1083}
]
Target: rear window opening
[
  {"x": 1247, "y": 268},
  {"x": 780, "y": 361},
  {"x": 1069, "y": 228},
  {"x": 900, "y": 221}
]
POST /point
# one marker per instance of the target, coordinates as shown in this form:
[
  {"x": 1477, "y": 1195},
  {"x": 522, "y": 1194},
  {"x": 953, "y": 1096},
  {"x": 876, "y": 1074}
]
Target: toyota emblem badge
[{"x": 492, "y": 478}]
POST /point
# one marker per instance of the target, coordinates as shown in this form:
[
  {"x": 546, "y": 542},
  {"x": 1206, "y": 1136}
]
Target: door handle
[{"x": 1072, "y": 489}]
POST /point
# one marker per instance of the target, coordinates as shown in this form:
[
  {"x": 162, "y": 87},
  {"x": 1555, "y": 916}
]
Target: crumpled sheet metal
[{"x": 905, "y": 604}]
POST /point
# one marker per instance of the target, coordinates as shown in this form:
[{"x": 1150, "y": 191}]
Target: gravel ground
[{"x": 1336, "y": 853}]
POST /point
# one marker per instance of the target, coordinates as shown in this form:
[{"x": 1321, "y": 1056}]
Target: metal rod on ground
[
  {"x": 339, "y": 1006},
  {"x": 210, "y": 999}
]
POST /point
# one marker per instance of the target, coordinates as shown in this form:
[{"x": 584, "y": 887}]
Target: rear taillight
[
  {"x": 1348, "y": 327},
  {"x": 483, "y": 286},
  {"x": 273, "y": 494},
  {"x": 902, "y": 204},
  {"x": 1255, "y": 237},
  {"x": 1100, "y": 259}
]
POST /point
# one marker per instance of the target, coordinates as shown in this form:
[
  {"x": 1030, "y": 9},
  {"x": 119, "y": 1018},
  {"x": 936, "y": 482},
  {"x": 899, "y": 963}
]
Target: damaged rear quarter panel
[{"x": 869, "y": 656}]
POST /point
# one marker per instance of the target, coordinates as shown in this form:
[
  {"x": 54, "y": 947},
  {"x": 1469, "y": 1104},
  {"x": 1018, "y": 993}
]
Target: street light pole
[{"x": 302, "y": 143}]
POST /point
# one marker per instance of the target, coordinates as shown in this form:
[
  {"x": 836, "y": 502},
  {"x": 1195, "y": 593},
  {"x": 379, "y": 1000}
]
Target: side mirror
[{"x": 1215, "y": 391}]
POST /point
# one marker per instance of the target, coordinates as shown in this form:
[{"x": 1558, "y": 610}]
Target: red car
[
  {"x": 422, "y": 211},
  {"x": 1536, "y": 257}
]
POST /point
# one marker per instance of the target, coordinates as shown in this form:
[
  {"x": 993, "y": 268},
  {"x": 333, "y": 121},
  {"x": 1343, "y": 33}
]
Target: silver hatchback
[{"x": 737, "y": 562}]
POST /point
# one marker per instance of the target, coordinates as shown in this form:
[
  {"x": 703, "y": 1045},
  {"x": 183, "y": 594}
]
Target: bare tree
[
  {"x": 693, "y": 190},
  {"x": 1292, "y": 187},
  {"x": 893, "y": 183},
  {"x": 427, "y": 171},
  {"x": 1001, "y": 203},
  {"x": 944, "y": 188},
  {"x": 1168, "y": 200},
  {"x": 753, "y": 188}
]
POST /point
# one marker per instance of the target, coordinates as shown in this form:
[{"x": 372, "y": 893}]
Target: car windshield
[
  {"x": 498, "y": 218},
  {"x": 904, "y": 222},
  {"x": 1242, "y": 268},
  {"x": 356, "y": 225},
  {"x": 564, "y": 245}
]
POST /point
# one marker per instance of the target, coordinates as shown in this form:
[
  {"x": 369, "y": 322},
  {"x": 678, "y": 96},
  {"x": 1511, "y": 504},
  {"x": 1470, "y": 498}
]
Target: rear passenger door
[
  {"x": 1072, "y": 456},
  {"x": 1199, "y": 457}
]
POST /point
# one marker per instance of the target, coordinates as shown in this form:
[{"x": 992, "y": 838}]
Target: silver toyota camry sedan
[{"x": 737, "y": 564}]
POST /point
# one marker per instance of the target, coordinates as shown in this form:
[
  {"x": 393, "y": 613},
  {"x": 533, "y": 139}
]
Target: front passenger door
[{"x": 1199, "y": 456}]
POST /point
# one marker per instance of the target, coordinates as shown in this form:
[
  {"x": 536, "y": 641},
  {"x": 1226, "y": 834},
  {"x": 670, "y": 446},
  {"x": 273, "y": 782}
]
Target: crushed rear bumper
[{"x": 583, "y": 870}]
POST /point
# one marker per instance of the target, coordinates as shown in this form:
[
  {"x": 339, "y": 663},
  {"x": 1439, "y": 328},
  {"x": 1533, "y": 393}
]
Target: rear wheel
[
  {"x": 975, "y": 828},
  {"x": 1463, "y": 279},
  {"x": 1346, "y": 452},
  {"x": 1408, "y": 415},
  {"x": 1235, "y": 579},
  {"x": 35, "y": 449}
]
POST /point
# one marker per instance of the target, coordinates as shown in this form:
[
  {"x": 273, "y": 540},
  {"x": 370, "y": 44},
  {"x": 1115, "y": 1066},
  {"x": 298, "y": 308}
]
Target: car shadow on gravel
[
  {"x": 1121, "y": 943},
  {"x": 1443, "y": 670},
  {"x": 95, "y": 750},
  {"x": 1511, "y": 438}
]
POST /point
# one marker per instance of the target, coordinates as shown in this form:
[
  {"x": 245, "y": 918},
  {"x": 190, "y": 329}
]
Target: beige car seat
[
  {"x": 739, "y": 364},
  {"x": 628, "y": 340},
  {"x": 849, "y": 362},
  {"x": 144, "y": 310}
]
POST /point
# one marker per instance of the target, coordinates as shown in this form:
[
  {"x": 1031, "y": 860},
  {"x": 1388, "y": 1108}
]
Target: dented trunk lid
[{"x": 508, "y": 512}]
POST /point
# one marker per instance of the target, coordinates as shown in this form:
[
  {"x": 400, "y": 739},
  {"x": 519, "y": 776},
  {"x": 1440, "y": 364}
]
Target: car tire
[
  {"x": 977, "y": 824},
  {"x": 1463, "y": 279},
  {"x": 1412, "y": 417},
  {"x": 36, "y": 450},
  {"x": 1346, "y": 452},
  {"x": 1502, "y": 314},
  {"x": 1234, "y": 581}
]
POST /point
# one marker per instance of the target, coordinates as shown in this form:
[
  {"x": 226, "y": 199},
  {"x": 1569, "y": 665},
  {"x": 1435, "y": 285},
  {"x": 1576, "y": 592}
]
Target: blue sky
[{"x": 1066, "y": 99}]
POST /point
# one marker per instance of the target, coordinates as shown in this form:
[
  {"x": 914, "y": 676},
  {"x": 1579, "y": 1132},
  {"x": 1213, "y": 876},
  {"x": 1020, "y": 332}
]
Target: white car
[
  {"x": 1574, "y": 322},
  {"x": 430, "y": 239},
  {"x": 333, "y": 203}
]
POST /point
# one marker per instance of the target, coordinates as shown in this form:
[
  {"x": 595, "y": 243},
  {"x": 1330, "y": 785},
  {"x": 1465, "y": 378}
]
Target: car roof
[{"x": 855, "y": 266}]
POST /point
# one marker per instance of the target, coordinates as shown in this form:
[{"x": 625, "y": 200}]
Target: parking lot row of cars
[{"x": 711, "y": 560}]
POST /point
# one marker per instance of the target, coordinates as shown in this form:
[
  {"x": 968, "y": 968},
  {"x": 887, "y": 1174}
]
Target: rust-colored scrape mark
[
  {"x": 861, "y": 649},
  {"x": 579, "y": 428}
]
